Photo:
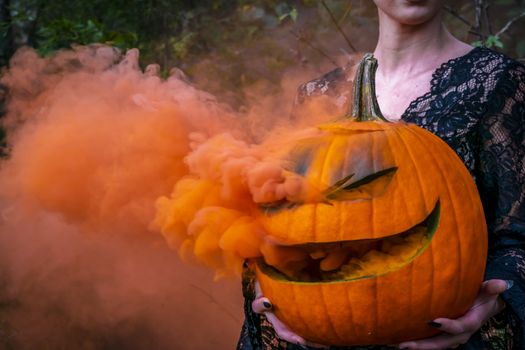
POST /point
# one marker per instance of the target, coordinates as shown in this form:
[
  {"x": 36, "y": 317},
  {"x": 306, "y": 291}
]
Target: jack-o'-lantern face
[
  {"x": 398, "y": 239},
  {"x": 356, "y": 230}
]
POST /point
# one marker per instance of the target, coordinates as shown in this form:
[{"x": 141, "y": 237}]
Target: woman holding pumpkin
[{"x": 474, "y": 99}]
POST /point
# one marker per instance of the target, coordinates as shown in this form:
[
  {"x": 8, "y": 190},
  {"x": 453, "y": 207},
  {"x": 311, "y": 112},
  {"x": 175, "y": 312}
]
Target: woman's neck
[
  {"x": 407, "y": 56},
  {"x": 405, "y": 51}
]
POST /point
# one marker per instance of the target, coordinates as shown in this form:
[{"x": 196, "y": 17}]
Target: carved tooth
[
  {"x": 318, "y": 254},
  {"x": 333, "y": 260}
]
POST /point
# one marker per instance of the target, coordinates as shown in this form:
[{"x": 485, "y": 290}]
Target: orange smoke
[
  {"x": 99, "y": 145},
  {"x": 212, "y": 212},
  {"x": 95, "y": 146},
  {"x": 93, "y": 142}
]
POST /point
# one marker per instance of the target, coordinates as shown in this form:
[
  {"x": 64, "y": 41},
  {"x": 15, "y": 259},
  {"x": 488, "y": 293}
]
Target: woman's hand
[
  {"x": 262, "y": 305},
  {"x": 457, "y": 332}
]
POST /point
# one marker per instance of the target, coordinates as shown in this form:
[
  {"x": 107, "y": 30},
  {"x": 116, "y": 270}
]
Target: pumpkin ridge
[
  {"x": 460, "y": 257},
  {"x": 420, "y": 183},
  {"x": 429, "y": 248},
  {"x": 374, "y": 284},
  {"x": 410, "y": 290},
  {"x": 378, "y": 315},
  {"x": 330, "y": 321},
  {"x": 350, "y": 308},
  {"x": 396, "y": 161},
  {"x": 413, "y": 160},
  {"x": 376, "y": 305},
  {"x": 304, "y": 321},
  {"x": 340, "y": 216},
  {"x": 473, "y": 200},
  {"x": 454, "y": 215},
  {"x": 327, "y": 157},
  {"x": 373, "y": 157}
]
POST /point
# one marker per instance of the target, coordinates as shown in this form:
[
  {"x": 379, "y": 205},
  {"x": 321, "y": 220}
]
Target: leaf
[
  {"x": 368, "y": 187},
  {"x": 494, "y": 40},
  {"x": 338, "y": 186},
  {"x": 283, "y": 11},
  {"x": 477, "y": 43},
  {"x": 294, "y": 14}
]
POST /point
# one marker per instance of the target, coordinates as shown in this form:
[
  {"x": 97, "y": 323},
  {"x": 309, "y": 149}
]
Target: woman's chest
[
  {"x": 453, "y": 117},
  {"x": 395, "y": 95}
]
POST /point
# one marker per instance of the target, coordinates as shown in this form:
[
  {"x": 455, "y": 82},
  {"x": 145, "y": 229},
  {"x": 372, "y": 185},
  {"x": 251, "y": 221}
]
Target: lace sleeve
[
  {"x": 501, "y": 180},
  {"x": 330, "y": 93}
]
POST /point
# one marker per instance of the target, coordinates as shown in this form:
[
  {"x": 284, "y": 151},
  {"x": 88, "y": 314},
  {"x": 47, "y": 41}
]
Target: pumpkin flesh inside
[{"x": 351, "y": 260}]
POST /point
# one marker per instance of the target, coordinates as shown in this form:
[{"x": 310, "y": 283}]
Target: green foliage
[
  {"x": 491, "y": 41},
  {"x": 64, "y": 32},
  {"x": 284, "y": 10},
  {"x": 242, "y": 41}
]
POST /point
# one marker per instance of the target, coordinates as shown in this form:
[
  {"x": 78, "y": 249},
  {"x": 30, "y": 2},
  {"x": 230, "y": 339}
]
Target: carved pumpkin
[{"x": 398, "y": 240}]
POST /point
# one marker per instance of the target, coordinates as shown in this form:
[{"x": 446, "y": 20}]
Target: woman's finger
[
  {"x": 282, "y": 331},
  {"x": 261, "y": 305},
  {"x": 258, "y": 290},
  {"x": 469, "y": 323},
  {"x": 484, "y": 307},
  {"x": 495, "y": 287}
]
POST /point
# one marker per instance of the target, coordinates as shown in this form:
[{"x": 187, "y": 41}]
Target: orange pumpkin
[{"x": 398, "y": 239}]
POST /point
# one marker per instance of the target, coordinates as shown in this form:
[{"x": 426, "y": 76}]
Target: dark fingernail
[
  {"x": 434, "y": 324},
  {"x": 510, "y": 283},
  {"x": 267, "y": 304}
]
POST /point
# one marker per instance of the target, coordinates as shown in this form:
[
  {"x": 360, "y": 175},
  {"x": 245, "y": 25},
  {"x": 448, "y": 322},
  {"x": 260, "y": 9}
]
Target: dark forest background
[
  {"x": 243, "y": 41},
  {"x": 249, "y": 44}
]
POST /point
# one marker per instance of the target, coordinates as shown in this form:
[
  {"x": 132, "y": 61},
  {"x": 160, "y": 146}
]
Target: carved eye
[{"x": 370, "y": 186}]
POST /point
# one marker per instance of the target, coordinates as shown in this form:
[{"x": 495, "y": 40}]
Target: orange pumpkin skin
[{"x": 442, "y": 281}]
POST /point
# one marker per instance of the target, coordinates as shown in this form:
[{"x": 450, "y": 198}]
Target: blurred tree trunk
[{"x": 6, "y": 39}]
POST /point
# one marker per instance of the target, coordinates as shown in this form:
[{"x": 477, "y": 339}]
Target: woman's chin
[{"x": 410, "y": 12}]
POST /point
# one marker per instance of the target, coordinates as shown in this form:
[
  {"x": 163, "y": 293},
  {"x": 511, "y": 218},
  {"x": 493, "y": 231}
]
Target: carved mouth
[{"x": 351, "y": 260}]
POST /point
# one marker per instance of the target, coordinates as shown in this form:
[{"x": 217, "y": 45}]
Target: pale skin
[{"x": 412, "y": 44}]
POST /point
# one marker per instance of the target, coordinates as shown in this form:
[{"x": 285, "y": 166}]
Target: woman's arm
[{"x": 501, "y": 180}]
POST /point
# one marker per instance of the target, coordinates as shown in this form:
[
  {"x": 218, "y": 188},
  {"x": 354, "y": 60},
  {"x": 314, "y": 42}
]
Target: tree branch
[
  {"x": 7, "y": 44},
  {"x": 487, "y": 18},
  {"x": 509, "y": 23},
  {"x": 345, "y": 13},
  {"x": 308, "y": 43},
  {"x": 337, "y": 25},
  {"x": 478, "y": 5},
  {"x": 457, "y": 15}
]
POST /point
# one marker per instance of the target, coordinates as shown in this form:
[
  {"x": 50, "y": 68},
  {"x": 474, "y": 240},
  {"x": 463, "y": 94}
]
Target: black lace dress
[{"x": 477, "y": 105}]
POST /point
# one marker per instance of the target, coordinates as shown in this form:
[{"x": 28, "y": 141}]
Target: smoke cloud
[{"x": 102, "y": 158}]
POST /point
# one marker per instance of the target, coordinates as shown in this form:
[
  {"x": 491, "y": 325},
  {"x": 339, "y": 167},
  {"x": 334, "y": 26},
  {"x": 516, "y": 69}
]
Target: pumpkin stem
[{"x": 365, "y": 106}]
